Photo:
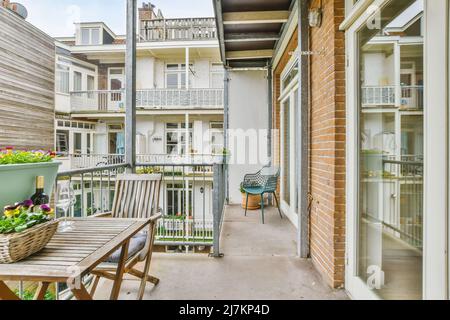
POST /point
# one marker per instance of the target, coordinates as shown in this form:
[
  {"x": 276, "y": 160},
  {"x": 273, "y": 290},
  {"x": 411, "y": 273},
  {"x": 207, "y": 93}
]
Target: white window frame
[
  {"x": 215, "y": 70},
  {"x": 181, "y": 132},
  {"x": 180, "y": 72},
  {"x": 436, "y": 192},
  {"x": 90, "y": 30},
  {"x": 213, "y": 131}
]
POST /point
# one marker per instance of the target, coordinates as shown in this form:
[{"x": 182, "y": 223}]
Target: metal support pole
[
  {"x": 130, "y": 90},
  {"x": 187, "y": 68},
  {"x": 226, "y": 127},
  {"x": 302, "y": 139},
  {"x": 270, "y": 113},
  {"x": 217, "y": 208}
]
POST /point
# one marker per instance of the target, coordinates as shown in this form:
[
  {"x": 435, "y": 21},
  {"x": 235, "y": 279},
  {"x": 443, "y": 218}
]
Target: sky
[{"x": 56, "y": 18}]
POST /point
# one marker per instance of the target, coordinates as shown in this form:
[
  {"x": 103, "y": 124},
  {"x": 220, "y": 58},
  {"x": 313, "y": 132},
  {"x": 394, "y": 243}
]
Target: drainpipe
[
  {"x": 302, "y": 140},
  {"x": 130, "y": 90}
]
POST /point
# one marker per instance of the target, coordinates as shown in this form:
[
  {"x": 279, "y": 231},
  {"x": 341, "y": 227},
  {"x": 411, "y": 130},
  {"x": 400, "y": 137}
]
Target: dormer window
[{"x": 90, "y": 36}]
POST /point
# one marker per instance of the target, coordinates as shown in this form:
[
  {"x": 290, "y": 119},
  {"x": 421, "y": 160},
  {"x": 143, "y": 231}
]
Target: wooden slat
[{"x": 27, "y": 81}]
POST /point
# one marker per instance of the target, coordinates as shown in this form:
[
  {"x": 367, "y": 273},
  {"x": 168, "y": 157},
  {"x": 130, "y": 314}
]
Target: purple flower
[
  {"x": 27, "y": 204},
  {"x": 46, "y": 208}
]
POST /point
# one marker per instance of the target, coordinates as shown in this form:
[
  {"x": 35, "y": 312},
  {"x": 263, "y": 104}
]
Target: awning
[{"x": 250, "y": 29}]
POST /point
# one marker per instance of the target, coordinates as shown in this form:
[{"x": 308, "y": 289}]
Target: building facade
[
  {"x": 180, "y": 113},
  {"x": 358, "y": 102}
]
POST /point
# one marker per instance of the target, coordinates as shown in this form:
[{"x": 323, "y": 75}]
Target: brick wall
[
  {"x": 327, "y": 149},
  {"x": 327, "y": 140}
]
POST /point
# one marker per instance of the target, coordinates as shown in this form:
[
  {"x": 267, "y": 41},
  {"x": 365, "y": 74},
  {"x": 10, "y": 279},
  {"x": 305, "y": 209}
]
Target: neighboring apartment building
[
  {"x": 357, "y": 92},
  {"x": 180, "y": 109}
]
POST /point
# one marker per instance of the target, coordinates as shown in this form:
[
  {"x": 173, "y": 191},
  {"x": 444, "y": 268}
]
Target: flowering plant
[
  {"x": 10, "y": 156},
  {"x": 24, "y": 215}
]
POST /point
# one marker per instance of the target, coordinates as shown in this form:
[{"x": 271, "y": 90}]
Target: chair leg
[
  {"x": 278, "y": 205},
  {"x": 94, "y": 285},
  {"x": 246, "y": 205},
  {"x": 262, "y": 207}
]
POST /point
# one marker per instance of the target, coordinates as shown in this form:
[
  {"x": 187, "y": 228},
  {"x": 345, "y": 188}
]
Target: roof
[{"x": 250, "y": 29}]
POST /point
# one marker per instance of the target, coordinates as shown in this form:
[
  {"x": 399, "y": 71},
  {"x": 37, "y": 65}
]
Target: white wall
[
  {"x": 248, "y": 100},
  {"x": 145, "y": 73}
]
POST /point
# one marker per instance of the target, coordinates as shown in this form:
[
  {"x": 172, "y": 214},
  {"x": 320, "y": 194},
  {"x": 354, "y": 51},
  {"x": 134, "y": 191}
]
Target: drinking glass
[{"x": 65, "y": 200}]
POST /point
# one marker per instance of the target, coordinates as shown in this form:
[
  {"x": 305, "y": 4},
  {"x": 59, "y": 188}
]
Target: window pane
[
  {"x": 172, "y": 81},
  {"x": 77, "y": 81},
  {"x": 390, "y": 220},
  {"x": 95, "y": 34},
  {"x": 62, "y": 142},
  {"x": 62, "y": 80},
  {"x": 85, "y": 36},
  {"x": 77, "y": 143}
]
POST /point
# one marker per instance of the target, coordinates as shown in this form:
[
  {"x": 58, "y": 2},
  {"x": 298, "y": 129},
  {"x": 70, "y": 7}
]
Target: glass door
[
  {"x": 386, "y": 146},
  {"x": 116, "y": 85},
  {"x": 289, "y": 203}
]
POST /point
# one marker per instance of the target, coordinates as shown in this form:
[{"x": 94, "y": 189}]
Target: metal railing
[
  {"x": 405, "y": 217},
  {"x": 192, "y": 199},
  {"x": 114, "y": 100},
  {"x": 411, "y": 96},
  {"x": 178, "y": 29}
]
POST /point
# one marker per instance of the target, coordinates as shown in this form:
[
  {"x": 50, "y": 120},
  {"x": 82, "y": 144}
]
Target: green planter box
[{"x": 18, "y": 181}]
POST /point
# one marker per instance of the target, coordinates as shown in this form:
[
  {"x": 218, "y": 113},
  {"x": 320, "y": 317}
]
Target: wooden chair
[{"x": 136, "y": 197}]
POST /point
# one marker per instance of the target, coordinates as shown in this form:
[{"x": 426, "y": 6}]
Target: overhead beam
[
  {"x": 245, "y": 37},
  {"x": 220, "y": 30},
  {"x": 255, "y": 17},
  {"x": 249, "y": 54}
]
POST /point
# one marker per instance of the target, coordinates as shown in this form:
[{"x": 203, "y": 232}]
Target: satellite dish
[{"x": 19, "y": 9}]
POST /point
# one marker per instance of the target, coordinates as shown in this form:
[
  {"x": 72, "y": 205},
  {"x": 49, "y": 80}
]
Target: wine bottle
[{"x": 40, "y": 198}]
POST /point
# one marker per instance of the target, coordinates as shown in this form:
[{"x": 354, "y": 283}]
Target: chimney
[
  {"x": 147, "y": 11},
  {"x": 17, "y": 8}
]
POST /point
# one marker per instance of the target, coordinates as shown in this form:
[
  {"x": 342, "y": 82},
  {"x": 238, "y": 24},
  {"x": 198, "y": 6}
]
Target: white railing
[
  {"x": 178, "y": 29},
  {"x": 114, "y": 101},
  {"x": 411, "y": 96},
  {"x": 170, "y": 159},
  {"x": 180, "y": 98},
  {"x": 99, "y": 100},
  {"x": 378, "y": 95},
  {"x": 172, "y": 229},
  {"x": 86, "y": 161}
]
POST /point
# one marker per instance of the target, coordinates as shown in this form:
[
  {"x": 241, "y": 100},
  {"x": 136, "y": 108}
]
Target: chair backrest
[
  {"x": 137, "y": 196},
  {"x": 270, "y": 176}
]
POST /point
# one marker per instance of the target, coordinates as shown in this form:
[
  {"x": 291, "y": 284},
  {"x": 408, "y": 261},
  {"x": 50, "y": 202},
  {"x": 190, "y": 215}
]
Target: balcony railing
[
  {"x": 89, "y": 161},
  {"x": 192, "y": 199},
  {"x": 150, "y": 99},
  {"x": 411, "y": 96},
  {"x": 178, "y": 29}
]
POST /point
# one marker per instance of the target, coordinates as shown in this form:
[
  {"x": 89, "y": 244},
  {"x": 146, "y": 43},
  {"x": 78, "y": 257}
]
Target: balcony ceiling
[{"x": 250, "y": 29}]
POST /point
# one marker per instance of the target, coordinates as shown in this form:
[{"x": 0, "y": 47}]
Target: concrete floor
[{"x": 259, "y": 263}]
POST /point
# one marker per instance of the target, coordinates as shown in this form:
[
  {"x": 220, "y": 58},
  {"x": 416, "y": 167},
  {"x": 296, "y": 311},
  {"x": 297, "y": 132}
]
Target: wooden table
[{"x": 71, "y": 255}]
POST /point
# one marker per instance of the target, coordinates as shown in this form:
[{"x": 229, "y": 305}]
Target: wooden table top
[{"x": 76, "y": 252}]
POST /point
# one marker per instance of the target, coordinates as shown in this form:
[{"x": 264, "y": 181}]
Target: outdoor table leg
[
  {"x": 120, "y": 271},
  {"x": 6, "y": 293},
  {"x": 81, "y": 293},
  {"x": 41, "y": 291}
]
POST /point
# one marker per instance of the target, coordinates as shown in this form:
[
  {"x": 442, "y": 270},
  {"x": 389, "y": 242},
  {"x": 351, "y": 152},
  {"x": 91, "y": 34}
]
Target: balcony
[
  {"x": 147, "y": 99},
  {"x": 411, "y": 97},
  {"x": 191, "y": 29}
]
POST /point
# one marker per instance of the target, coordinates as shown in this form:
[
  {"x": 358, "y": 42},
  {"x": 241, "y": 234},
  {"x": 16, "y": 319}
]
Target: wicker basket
[{"x": 18, "y": 246}]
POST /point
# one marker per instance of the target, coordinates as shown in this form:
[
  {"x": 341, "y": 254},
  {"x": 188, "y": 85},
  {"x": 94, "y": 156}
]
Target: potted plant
[
  {"x": 254, "y": 201},
  {"x": 18, "y": 172}
]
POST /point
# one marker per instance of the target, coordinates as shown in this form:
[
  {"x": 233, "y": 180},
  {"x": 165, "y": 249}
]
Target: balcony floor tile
[{"x": 259, "y": 263}]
